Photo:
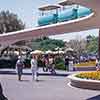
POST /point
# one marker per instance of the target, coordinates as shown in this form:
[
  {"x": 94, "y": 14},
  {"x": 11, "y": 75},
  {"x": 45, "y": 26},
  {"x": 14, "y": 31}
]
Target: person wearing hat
[
  {"x": 34, "y": 67},
  {"x": 19, "y": 67}
]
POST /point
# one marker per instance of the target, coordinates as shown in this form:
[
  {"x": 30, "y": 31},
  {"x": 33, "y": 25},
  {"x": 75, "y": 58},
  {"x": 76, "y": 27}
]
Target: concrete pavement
[{"x": 47, "y": 88}]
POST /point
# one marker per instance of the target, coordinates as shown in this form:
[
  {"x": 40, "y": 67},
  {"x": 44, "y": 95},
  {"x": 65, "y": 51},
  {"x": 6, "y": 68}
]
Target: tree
[
  {"x": 46, "y": 44},
  {"x": 92, "y": 46},
  {"x": 9, "y": 22},
  {"x": 78, "y": 45}
]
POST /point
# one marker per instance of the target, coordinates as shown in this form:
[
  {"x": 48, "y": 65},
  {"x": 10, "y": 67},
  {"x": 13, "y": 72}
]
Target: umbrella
[
  {"x": 69, "y": 49},
  {"x": 49, "y": 52},
  {"x": 37, "y": 52},
  {"x": 61, "y": 52},
  {"x": 16, "y": 52},
  {"x": 23, "y": 52},
  {"x": 55, "y": 52},
  {"x": 57, "y": 48}
]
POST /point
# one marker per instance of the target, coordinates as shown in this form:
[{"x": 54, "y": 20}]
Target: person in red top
[{"x": 46, "y": 63}]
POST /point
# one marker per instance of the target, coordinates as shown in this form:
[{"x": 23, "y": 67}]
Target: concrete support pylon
[{"x": 99, "y": 45}]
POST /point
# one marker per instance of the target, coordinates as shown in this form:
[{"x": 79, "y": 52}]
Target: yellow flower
[{"x": 89, "y": 75}]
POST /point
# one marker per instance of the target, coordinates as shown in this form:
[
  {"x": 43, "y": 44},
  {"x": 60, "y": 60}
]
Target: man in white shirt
[{"x": 34, "y": 67}]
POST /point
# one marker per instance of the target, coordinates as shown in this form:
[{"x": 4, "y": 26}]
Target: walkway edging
[{"x": 84, "y": 83}]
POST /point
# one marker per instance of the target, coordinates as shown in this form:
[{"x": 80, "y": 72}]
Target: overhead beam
[{"x": 59, "y": 28}]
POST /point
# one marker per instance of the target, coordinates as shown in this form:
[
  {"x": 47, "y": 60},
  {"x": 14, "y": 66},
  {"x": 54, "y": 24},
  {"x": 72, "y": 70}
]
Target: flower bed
[
  {"x": 89, "y": 75},
  {"x": 86, "y": 80},
  {"x": 86, "y": 64}
]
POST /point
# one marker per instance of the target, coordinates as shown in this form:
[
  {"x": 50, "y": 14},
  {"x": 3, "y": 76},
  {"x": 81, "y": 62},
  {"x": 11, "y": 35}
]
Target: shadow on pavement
[
  {"x": 40, "y": 73},
  {"x": 24, "y": 80},
  {"x": 39, "y": 80},
  {"x": 97, "y": 97}
]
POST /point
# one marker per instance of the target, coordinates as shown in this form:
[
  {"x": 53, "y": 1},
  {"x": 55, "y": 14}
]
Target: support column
[{"x": 99, "y": 45}]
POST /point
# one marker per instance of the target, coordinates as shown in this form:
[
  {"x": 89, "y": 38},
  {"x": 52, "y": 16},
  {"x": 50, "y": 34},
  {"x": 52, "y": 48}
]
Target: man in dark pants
[
  {"x": 2, "y": 97},
  {"x": 66, "y": 63}
]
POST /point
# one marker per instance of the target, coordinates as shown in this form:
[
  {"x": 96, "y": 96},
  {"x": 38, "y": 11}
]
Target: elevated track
[{"x": 59, "y": 28}]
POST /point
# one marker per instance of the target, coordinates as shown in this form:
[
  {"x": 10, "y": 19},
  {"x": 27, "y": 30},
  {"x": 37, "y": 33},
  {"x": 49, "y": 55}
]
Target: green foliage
[
  {"x": 59, "y": 64},
  {"x": 9, "y": 22},
  {"x": 7, "y": 63},
  {"x": 46, "y": 44},
  {"x": 92, "y": 46}
]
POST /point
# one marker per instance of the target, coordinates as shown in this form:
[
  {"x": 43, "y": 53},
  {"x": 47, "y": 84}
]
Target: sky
[
  {"x": 27, "y": 11},
  {"x": 76, "y": 35}
]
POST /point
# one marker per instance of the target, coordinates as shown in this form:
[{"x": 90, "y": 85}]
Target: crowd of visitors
[{"x": 46, "y": 62}]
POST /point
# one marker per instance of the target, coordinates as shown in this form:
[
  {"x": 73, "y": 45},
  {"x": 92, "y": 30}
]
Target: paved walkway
[{"x": 47, "y": 88}]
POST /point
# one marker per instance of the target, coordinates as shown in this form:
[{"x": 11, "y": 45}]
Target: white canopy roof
[{"x": 37, "y": 52}]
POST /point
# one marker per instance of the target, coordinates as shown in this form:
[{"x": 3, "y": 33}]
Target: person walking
[
  {"x": 71, "y": 63},
  {"x": 2, "y": 97},
  {"x": 19, "y": 67},
  {"x": 43, "y": 63},
  {"x": 66, "y": 63},
  {"x": 46, "y": 60},
  {"x": 52, "y": 64},
  {"x": 34, "y": 67}
]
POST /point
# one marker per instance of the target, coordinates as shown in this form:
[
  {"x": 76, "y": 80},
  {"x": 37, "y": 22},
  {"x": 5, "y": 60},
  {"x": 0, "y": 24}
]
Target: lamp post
[{"x": 99, "y": 45}]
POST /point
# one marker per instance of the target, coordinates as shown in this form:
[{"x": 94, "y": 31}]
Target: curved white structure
[
  {"x": 26, "y": 34},
  {"x": 63, "y": 27}
]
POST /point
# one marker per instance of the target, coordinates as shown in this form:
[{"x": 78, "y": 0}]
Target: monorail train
[{"x": 64, "y": 15}]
